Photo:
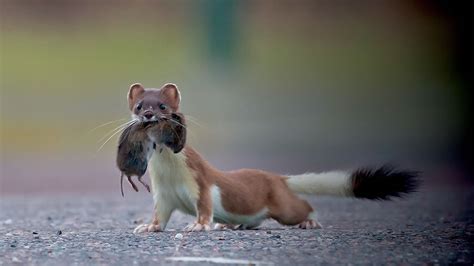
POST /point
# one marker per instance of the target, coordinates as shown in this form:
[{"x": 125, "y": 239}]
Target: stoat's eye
[
  {"x": 139, "y": 106},
  {"x": 162, "y": 106}
]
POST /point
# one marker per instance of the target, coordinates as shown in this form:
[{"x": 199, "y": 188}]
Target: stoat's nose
[{"x": 148, "y": 115}]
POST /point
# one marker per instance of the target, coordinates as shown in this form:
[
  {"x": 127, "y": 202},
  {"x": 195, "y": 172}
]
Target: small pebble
[
  {"x": 15, "y": 259},
  {"x": 178, "y": 236},
  {"x": 35, "y": 233},
  {"x": 59, "y": 233}
]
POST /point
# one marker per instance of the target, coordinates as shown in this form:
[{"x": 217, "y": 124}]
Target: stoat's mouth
[
  {"x": 144, "y": 119},
  {"x": 149, "y": 123}
]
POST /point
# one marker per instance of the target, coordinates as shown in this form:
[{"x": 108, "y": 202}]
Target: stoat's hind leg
[
  {"x": 310, "y": 222},
  {"x": 288, "y": 209}
]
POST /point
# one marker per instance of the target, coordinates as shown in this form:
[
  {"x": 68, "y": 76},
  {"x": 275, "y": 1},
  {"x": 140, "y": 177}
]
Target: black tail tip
[{"x": 384, "y": 182}]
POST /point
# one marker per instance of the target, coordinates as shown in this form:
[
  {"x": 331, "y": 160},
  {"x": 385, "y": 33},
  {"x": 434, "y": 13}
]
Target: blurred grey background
[{"x": 287, "y": 86}]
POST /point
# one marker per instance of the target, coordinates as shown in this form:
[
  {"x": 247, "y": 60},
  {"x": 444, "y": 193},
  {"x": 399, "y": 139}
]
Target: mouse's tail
[{"x": 121, "y": 183}]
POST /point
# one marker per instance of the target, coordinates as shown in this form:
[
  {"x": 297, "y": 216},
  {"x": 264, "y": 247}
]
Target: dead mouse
[
  {"x": 138, "y": 142},
  {"x": 134, "y": 150}
]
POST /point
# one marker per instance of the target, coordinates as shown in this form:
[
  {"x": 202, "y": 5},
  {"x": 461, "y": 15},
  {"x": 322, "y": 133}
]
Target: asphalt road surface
[{"x": 432, "y": 226}]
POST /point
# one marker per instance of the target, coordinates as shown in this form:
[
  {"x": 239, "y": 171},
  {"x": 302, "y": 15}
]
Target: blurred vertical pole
[
  {"x": 460, "y": 14},
  {"x": 221, "y": 26}
]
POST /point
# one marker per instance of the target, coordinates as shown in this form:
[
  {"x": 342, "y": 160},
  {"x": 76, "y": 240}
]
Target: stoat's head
[{"x": 149, "y": 105}]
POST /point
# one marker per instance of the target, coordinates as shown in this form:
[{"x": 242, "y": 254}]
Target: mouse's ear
[
  {"x": 134, "y": 92},
  {"x": 171, "y": 95}
]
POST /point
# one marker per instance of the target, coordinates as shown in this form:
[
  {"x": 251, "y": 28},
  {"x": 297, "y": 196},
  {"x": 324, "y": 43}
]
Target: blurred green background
[{"x": 287, "y": 86}]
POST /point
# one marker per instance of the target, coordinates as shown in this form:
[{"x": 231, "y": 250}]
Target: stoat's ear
[
  {"x": 134, "y": 92},
  {"x": 170, "y": 93}
]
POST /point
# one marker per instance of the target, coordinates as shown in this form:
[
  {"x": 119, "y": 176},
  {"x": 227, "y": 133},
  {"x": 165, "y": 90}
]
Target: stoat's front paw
[
  {"x": 310, "y": 224},
  {"x": 197, "y": 227},
  {"x": 145, "y": 228}
]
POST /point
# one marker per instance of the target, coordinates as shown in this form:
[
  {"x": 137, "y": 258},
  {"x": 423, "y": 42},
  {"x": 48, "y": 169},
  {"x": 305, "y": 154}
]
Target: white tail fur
[{"x": 334, "y": 183}]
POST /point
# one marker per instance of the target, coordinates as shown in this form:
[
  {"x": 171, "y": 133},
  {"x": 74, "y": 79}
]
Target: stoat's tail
[{"x": 377, "y": 184}]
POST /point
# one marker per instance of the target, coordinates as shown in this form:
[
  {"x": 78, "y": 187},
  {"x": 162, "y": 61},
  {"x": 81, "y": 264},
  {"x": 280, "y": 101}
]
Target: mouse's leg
[
  {"x": 144, "y": 184},
  {"x": 129, "y": 178}
]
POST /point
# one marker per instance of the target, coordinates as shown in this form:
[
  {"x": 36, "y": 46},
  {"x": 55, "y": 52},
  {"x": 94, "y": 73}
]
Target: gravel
[{"x": 433, "y": 226}]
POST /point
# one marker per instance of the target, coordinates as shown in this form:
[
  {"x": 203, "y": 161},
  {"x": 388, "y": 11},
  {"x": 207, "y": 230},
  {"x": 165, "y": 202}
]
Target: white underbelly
[{"x": 223, "y": 216}]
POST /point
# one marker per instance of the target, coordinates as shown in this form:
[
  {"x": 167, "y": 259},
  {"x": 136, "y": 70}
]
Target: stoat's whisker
[
  {"x": 113, "y": 131},
  {"x": 107, "y": 140},
  {"x": 193, "y": 120},
  {"x": 117, "y": 128},
  {"x": 105, "y": 124},
  {"x": 172, "y": 120},
  {"x": 126, "y": 132},
  {"x": 123, "y": 127},
  {"x": 118, "y": 131}
]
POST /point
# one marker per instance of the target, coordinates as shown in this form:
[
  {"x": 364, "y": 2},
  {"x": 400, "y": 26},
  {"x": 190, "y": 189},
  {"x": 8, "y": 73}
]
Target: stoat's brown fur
[{"x": 182, "y": 180}]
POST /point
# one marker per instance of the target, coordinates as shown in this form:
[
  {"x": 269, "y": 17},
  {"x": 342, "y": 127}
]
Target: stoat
[{"x": 181, "y": 179}]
